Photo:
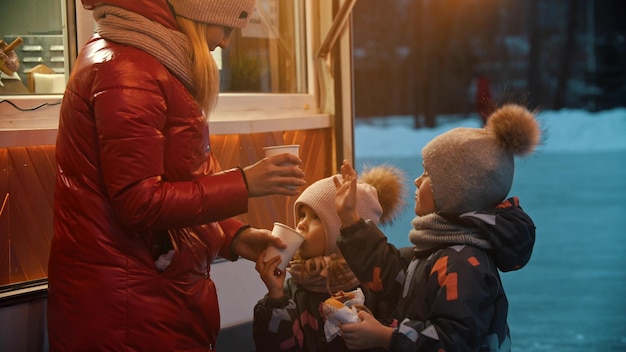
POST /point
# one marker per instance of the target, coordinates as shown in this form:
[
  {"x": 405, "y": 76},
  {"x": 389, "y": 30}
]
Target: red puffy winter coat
[{"x": 136, "y": 177}]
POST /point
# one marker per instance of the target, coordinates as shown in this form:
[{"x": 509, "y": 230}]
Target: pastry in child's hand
[
  {"x": 335, "y": 311},
  {"x": 347, "y": 298},
  {"x": 339, "y": 309}
]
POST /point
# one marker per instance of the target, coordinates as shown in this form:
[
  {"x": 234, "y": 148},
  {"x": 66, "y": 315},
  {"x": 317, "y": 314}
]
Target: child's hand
[
  {"x": 369, "y": 333},
  {"x": 271, "y": 276},
  {"x": 345, "y": 198}
]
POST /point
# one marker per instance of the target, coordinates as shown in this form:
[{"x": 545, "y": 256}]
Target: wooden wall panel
[
  {"x": 27, "y": 176},
  {"x": 244, "y": 150},
  {"x": 26, "y": 219},
  {"x": 5, "y": 244}
]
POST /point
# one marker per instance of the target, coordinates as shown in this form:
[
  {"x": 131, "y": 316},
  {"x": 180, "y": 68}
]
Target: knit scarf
[
  {"x": 166, "y": 45},
  {"x": 323, "y": 274},
  {"x": 432, "y": 231}
]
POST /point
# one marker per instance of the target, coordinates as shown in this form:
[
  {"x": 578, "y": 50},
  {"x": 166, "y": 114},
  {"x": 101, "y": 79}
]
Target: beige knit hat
[
  {"x": 228, "y": 13},
  {"x": 472, "y": 168},
  {"x": 380, "y": 192}
]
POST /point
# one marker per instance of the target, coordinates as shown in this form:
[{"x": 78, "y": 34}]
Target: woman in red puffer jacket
[{"x": 141, "y": 206}]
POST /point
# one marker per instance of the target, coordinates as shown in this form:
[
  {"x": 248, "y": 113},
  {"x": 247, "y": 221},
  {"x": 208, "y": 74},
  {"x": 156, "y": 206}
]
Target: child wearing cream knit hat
[
  {"x": 465, "y": 232},
  {"x": 318, "y": 270}
]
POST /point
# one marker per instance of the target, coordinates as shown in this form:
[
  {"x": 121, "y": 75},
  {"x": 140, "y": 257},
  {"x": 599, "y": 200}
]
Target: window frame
[{"x": 235, "y": 112}]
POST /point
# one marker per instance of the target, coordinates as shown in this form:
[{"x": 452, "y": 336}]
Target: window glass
[
  {"x": 266, "y": 57},
  {"x": 39, "y": 24}
]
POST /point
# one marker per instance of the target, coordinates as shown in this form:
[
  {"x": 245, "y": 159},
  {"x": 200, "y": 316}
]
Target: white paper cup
[
  {"x": 280, "y": 149},
  {"x": 293, "y": 240}
]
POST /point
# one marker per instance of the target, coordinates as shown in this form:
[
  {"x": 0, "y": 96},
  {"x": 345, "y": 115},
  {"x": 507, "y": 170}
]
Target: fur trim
[
  {"x": 390, "y": 183},
  {"x": 516, "y": 128}
]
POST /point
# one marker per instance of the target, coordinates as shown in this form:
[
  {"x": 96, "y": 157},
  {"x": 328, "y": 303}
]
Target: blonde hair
[{"x": 204, "y": 71}]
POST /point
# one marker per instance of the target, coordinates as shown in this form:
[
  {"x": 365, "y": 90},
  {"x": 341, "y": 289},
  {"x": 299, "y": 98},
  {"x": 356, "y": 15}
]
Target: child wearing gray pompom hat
[
  {"x": 291, "y": 313},
  {"x": 465, "y": 232}
]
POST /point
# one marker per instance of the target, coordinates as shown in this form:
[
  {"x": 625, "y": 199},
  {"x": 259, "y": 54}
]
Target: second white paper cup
[{"x": 293, "y": 240}]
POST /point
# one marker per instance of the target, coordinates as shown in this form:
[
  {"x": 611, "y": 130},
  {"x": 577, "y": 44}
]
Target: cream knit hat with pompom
[{"x": 380, "y": 191}]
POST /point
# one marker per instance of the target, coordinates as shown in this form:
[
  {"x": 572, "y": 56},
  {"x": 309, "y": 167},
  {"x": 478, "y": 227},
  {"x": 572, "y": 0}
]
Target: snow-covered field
[{"x": 571, "y": 296}]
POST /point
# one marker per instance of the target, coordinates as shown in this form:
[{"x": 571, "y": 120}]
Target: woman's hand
[
  {"x": 368, "y": 333},
  {"x": 268, "y": 272},
  {"x": 345, "y": 198},
  {"x": 278, "y": 174},
  {"x": 251, "y": 242}
]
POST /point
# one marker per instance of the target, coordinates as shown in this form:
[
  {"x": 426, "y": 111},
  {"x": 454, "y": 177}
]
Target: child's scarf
[{"x": 432, "y": 231}]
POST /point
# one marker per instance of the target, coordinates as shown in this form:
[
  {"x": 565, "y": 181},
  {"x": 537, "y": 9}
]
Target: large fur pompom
[
  {"x": 390, "y": 182},
  {"x": 516, "y": 128}
]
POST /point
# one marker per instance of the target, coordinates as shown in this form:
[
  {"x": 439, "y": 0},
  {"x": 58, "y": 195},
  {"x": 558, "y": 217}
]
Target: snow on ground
[{"x": 565, "y": 130}]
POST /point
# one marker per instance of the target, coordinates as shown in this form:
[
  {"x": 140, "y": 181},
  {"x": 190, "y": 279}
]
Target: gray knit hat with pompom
[
  {"x": 380, "y": 193},
  {"x": 228, "y": 13},
  {"x": 472, "y": 168}
]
